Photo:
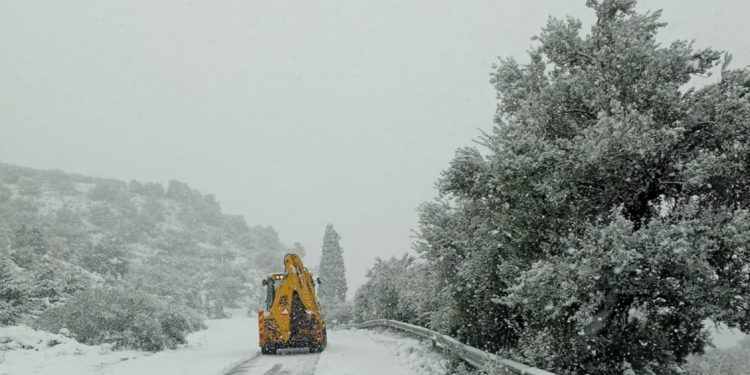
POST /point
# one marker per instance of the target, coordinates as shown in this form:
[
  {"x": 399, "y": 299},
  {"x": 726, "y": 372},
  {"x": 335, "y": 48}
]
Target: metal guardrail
[{"x": 475, "y": 357}]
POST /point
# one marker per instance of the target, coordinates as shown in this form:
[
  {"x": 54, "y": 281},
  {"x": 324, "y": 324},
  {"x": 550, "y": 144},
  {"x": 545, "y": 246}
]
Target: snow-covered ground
[
  {"x": 209, "y": 351},
  {"x": 364, "y": 352},
  {"x": 227, "y": 347},
  {"x": 26, "y": 351},
  {"x": 724, "y": 337}
]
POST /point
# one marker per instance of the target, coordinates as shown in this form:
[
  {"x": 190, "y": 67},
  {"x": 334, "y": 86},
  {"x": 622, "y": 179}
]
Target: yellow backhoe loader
[{"x": 292, "y": 316}]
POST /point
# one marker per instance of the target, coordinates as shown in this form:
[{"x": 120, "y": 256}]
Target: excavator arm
[{"x": 292, "y": 317}]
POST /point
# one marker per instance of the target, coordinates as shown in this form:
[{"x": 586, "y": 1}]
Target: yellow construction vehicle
[{"x": 292, "y": 316}]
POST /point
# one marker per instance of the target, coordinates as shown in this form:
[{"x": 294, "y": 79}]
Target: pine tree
[{"x": 332, "y": 272}]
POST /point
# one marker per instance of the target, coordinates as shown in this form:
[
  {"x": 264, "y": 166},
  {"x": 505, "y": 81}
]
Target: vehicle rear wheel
[
  {"x": 268, "y": 349},
  {"x": 317, "y": 348}
]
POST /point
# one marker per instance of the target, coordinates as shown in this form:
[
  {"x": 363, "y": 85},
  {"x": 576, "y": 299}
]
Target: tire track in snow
[
  {"x": 239, "y": 367},
  {"x": 274, "y": 370},
  {"x": 293, "y": 363}
]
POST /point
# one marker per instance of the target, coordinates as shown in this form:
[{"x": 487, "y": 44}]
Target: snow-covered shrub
[
  {"x": 378, "y": 298},
  {"x": 5, "y": 193},
  {"x": 45, "y": 283},
  {"x": 112, "y": 191},
  {"x": 29, "y": 186},
  {"x": 339, "y": 313},
  {"x": 123, "y": 317},
  {"x": 9, "y": 312},
  {"x": 13, "y": 294},
  {"x": 177, "y": 322},
  {"x": 397, "y": 288},
  {"x": 109, "y": 257}
]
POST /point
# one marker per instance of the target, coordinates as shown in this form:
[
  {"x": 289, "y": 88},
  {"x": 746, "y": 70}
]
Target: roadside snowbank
[
  {"x": 724, "y": 337},
  {"x": 419, "y": 355},
  {"x": 25, "y": 351}
]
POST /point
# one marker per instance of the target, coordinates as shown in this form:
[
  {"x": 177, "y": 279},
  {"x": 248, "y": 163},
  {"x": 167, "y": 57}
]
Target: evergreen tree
[
  {"x": 608, "y": 217},
  {"x": 109, "y": 257},
  {"x": 13, "y": 294},
  {"x": 28, "y": 245},
  {"x": 395, "y": 289},
  {"x": 332, "y": 272}
]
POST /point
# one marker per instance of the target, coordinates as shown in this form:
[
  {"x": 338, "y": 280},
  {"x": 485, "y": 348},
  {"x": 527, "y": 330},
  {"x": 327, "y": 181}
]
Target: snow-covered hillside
[{"x": 66, "y": 238}]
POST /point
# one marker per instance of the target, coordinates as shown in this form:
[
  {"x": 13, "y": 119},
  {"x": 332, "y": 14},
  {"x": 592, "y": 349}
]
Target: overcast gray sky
[{"x": 293, "y": 113}]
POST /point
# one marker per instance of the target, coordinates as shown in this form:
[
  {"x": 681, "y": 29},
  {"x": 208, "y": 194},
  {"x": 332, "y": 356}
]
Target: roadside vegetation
[
  {"x": 602, "y": 220},
  {"x": 133, "y": 264}
]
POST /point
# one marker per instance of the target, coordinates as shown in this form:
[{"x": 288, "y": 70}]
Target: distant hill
[{"x": 61, "y": 232}]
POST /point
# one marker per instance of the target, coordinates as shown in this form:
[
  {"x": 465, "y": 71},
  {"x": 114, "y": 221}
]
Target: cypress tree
[{"x": 332, "y": 271}]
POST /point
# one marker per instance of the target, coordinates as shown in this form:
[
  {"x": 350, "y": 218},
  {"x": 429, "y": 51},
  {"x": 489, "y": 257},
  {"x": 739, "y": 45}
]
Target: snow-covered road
[
  {"x": 289, "y": 363},
  {"x": 349, "y": 352},
  {"x": 227, "y": 347},
  {"x": 355, "y": 352}
]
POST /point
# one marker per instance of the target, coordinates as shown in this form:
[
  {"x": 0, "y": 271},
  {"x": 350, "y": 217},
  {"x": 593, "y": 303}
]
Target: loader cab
[
  {"x": 270, "y": 292},
  {"x": 270, "y": 284}
]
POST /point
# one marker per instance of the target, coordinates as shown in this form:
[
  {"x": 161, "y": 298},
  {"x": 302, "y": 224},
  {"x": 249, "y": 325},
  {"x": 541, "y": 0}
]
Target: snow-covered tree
[
  {"x": 28, "y": 245},
  {"x": 13, "y": 294},
  {"x": 332, "y": 270},
  {"x": 607, "y": 217},
  {"x": 397, "y": 288},
  {"x": 109, "y": 257}
]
